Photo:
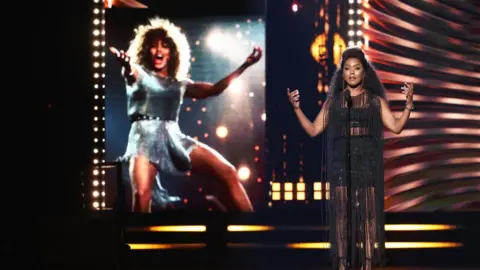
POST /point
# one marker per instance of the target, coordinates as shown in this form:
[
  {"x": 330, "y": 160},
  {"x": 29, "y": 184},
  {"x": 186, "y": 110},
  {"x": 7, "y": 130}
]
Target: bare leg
[
  {"x": 207, "y": 161},
  {"x": 341, "y": 224},
  {"x": 142, "y": 174},
  {"x": 370, "y": 230},
  {"x": 370, "y": 227}
]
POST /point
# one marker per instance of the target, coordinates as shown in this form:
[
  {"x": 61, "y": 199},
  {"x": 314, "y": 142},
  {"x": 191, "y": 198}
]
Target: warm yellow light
[
  {"x": 419, "y": 227},
  {"x": 317, "y": 186},
  {"x": 317, "y": 245},
  {"x": 276, "y": 196},
  {"x": 318, "y": 47},
  {"x": 288, "y": 196},
  {"x": 300, "y": 186},
  {"x": 317, "y": 195},
  {"x": 408, "y": 245},
  {"x": 243, "y": 173},
  {"x": 276, "y": 186},
  {"x": 249, "y": 228},
  {"x": 388, "y": 245},
  {"x": 222, "y": 132},
  {"x": 288, "y": 186},
  {"x": 300, "y": 196},
  {"x": 165, "y": 246},
  {"x": 176, "y": 228}
]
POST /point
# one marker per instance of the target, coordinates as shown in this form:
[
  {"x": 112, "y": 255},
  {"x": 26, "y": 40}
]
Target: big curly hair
[
  {"x": 161, "y": 29},
  {"x": 371, "y": 81}
]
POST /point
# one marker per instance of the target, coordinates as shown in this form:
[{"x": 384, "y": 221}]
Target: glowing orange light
[
  {"x": 222, "y": 132},
  {"x": 243, "y": 173},
  {"x": 318, "y": 47}
]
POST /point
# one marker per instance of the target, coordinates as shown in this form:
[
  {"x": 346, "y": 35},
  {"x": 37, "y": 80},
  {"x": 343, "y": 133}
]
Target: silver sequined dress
[{"x": 157, "y": 135}]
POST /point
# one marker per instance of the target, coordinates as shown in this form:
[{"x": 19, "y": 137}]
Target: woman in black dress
[{"x": 355, "y": 85}]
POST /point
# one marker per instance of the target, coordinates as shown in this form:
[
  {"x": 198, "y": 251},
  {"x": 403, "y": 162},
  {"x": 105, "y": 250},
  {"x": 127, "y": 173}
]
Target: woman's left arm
[
  {"x": 204, "y": 90},
  {"x": 392, "y": 123}
]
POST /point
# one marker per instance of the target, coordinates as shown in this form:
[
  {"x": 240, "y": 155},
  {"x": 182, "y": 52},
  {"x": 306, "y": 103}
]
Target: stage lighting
[
  {"x": 236, "y": 85},
  {"x": 98, "y": 42},
  {"x": 216, "y": 40},
  {"x": 222, "y": 132},
  {"x": 243, "y": 173},
  {"x": 294, "y": 7}
]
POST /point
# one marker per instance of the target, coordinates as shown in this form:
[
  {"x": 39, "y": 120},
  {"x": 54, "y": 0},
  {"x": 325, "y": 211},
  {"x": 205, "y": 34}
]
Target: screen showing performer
[{"x": 185, "y": 109}]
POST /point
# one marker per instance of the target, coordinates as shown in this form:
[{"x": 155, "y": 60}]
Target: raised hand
[
  {"x": 122, "y": 57},
  {"x": 124, "y": 60},
  {"x": 294, "y": 98},
  {"x": 408, "y": 91},
  {"x": 254, "y": 56}
]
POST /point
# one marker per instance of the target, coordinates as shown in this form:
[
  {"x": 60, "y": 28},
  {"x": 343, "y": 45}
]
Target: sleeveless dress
[
  {"x": 366, "y": 166},
  {"x": 154, "y": 106}
]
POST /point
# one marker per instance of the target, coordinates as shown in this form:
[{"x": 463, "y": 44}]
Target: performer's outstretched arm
[
  {"x": 204, "y": 90},
  {"x": 392, "y": 123},
  {"x": 128, "y": 71}
]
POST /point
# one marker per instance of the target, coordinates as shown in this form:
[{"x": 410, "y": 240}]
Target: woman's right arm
[
  {"x": 129, "y": 72},
  {"x": 312, "y": 129}
]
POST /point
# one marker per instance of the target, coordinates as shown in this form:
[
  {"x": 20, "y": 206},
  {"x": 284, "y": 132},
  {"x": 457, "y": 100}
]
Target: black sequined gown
[{"x": 367, "y": 205}]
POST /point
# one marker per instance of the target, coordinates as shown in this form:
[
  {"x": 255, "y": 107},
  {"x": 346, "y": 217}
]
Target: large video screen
[{"x": 185, "y": 111}]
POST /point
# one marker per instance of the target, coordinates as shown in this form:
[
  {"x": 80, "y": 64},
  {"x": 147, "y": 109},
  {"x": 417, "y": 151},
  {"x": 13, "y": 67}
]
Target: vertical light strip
[
  {"x": 355, "y": 23},
  {"x": 98, "y": 50}
]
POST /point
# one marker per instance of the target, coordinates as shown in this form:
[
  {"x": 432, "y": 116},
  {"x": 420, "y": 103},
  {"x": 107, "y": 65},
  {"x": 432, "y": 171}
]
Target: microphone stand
[{"x": 349, "y": 243}]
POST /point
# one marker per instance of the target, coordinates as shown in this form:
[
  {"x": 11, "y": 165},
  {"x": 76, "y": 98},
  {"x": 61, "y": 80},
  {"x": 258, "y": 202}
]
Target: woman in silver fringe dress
[
  {"x": 355, "y": 84},
  {"x": 155, "y": 68}
]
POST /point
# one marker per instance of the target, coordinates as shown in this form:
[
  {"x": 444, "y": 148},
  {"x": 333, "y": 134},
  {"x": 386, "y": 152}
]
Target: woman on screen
[
  {"x": 155, "y": 68},
  {"x": 355, "y": 88}
]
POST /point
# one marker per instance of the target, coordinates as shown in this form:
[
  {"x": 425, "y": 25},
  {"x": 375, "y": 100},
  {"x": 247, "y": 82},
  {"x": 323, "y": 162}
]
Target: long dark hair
[{"x": 371, "y": 82}]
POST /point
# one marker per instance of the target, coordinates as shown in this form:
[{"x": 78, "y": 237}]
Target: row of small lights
[
  {"x": 355, "y": 23},
  {"x": 98, "y": 183},
  {"x": 320, "y": 191}
]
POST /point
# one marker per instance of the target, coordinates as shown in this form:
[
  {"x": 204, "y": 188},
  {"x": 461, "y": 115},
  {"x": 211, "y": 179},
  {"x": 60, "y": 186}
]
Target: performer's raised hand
[
  {"x": 294, "y": 98},
  {"x": 124, "y": 60},
  {"x": 121, "y": 56},
  {"x": 408, "y": 91},
  {"x": 254, "y": 56}
]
